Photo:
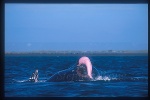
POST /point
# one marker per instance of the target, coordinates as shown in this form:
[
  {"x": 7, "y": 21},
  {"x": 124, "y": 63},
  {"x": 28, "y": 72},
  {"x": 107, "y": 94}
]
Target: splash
[
  {"x": 118, "y": 78},
  {"x": 21, "y": 81},
  {"x": 18, "y": 81},
  {"x": 105, "y": 78},
  {"x": 27, "y": 81}
]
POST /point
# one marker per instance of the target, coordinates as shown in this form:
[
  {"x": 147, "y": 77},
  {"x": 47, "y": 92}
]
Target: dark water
[{"x": 125, "y": 76}]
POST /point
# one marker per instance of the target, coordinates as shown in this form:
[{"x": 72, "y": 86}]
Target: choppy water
[{"x": 125, "y": 76}]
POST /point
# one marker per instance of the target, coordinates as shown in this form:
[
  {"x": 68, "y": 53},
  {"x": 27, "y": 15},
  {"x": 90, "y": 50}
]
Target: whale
[
  {"x": 34, "y": 77},
  {"x": 81, "y": 71},
  {"x": 75, "y": 74}
]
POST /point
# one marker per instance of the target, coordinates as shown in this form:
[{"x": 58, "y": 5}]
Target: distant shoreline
[{"x": 80, "y": 53}]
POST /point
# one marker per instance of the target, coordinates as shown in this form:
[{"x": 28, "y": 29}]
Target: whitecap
[{"x": 105, "y": 78}]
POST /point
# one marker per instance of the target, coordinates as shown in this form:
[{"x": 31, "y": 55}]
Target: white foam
[
  {"x": 105, "y": 78},
  {"x": 22, "y": 81},
  {"x": 42, "y": 81}
]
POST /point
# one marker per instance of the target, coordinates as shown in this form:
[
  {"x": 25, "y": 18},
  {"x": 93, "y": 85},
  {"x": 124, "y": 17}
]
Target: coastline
[{"x": 79, "y": 53}]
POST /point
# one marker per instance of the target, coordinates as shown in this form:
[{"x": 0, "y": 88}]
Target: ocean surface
[{"x": 120, "y": 76}]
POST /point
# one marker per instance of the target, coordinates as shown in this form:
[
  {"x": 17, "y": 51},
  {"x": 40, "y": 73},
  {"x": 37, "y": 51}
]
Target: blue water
[{"x": 125, "y": 76}]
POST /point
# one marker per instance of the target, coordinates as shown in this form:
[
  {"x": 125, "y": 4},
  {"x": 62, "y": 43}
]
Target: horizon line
[{"x": 79, "y": 51}]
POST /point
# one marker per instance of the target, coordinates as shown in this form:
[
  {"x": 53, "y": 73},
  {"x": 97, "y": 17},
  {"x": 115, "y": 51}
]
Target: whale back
[{"x": 74, "y": 73}]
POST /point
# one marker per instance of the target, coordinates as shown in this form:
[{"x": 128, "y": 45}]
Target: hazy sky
[{"x": 34, "y": 27}]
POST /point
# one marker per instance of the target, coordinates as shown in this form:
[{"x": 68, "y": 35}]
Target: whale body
[
  {"x": 83, "y": 71},
  {"x": 34, "y": 77},
  {"x": 74, "y": 73}
]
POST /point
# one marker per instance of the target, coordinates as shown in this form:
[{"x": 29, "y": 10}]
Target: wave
[
  {"x": 27, "y": 81},
  {"x": 109, "y": 78}
]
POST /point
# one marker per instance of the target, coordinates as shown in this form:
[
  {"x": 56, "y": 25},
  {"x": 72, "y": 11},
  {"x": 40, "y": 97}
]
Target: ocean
[{"x": 120, "y": 76}]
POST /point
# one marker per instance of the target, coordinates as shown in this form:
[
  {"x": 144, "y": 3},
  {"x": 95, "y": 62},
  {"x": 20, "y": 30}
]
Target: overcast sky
[{"x": 34, "y": 27}]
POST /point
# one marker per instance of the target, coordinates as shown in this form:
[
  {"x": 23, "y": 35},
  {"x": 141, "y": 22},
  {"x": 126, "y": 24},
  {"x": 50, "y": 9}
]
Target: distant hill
[{"x": 104, "y": 52}]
